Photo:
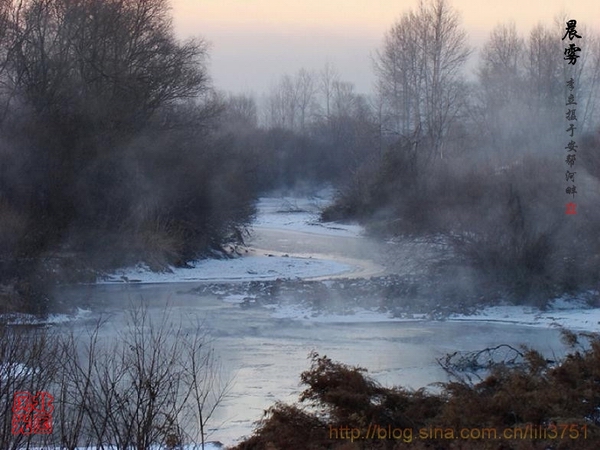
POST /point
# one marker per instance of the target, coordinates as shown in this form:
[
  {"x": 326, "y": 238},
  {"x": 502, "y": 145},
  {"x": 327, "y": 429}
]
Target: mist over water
[
  {"x": 264, "y": 356},
  {"x": 128, "y": 178},
  {"x": 264, "y": 346}
]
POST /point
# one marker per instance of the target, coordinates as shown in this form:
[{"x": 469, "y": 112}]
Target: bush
[
  {"x": 536, "y": 394},
  {"x": 508, "y": 223},
  {"x": 113, "y": 152}
]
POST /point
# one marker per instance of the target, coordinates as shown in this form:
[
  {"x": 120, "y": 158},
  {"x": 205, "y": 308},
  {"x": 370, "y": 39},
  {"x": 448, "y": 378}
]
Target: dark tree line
[
  {"x": 110, "y": 141},
  {"x": 310, "y": 128}
]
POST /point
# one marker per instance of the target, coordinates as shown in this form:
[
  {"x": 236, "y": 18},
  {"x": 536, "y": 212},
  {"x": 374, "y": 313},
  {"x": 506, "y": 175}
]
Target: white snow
[
  {"x": 244, "y": 268},
  {"x": 573, "y": 314},
  {"x": 52, "y": 319},
  {"x": 283, "y": 213},
  {"x": 301, "y": 214},
  {"x": 238, "y": 298},
  {"x": 354, "y": 315}
]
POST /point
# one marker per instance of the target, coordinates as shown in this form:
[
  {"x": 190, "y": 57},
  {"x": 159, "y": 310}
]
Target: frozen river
[{"x": 263, "y": 350}]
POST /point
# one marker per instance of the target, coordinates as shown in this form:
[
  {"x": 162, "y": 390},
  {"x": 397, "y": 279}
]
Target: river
[{"x": 264, "y": 348}]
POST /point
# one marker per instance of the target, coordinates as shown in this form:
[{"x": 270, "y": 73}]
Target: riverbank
[
  {"x": 297, "y": 267},
  {"x": 263, "y": 325}
]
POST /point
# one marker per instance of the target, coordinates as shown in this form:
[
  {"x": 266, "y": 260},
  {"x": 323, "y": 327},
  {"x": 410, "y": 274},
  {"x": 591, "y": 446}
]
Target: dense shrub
[
  {"x": 112, "y": 143},
  {"x": 507, "y": 222},
  {"x": 537, "y": 394}
]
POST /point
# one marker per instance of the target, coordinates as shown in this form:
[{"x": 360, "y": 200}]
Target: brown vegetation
[{"x": 536, "y": 395}]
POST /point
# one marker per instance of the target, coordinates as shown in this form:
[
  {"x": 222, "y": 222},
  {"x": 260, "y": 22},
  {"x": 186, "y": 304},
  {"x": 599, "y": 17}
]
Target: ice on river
[{"x": 299, "y": 216}]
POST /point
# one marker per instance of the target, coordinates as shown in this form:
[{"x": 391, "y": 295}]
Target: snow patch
[
  {"x": 301, "y": 214},
  {"x": 574, "y": 315},
  {"x": 245, "y": 268},
  {"x": 238, "y": 298},
  {"x": 283, "y": 213},
  {"x": 354, "y": 315},
  {"x": 52, "y": 319}
]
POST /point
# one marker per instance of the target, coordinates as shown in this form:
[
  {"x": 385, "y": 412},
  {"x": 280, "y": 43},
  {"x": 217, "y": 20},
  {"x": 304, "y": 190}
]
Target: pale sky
[{"x": 254, "y": 42}]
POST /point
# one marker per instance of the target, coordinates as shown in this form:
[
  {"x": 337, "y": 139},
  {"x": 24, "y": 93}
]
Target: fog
[
  {"x": 429, "y": 174},
  {"x": 268, "y": 38}
]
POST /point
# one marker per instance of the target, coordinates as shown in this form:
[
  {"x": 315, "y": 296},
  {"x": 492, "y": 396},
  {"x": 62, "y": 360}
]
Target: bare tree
[
  {"x": 419, "y": 70},
  {"x": 240, "y": 112},
  {"x": 502, "y": 116},
  {"x": 585, "y": 74},
  {"x": 157, "y": 383},
  {"x": 306, "y": 90},
  {"x": 8, "y": 26},
  {"x": 501, "y": 68},
  {"x": 278, "y": 110},
  {"x": 328, "y": 77},
  {"x": 204, "y": 377},
  {"x": 343, "y": 101},
  {"x": 544, "y": 71},
  {"x": 27, "y": 364},
  {"x": 291, "y": 101},
  {"x": 114, "y": 62},
  {"x": 399, "y": 77},
  {"x": 522, "y": 87},
  {"x": 589, "y": 83},
  {"x": 289, "y": 94}
]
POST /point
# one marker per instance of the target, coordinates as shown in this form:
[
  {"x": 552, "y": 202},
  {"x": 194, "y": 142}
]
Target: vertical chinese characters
[{"x": 571, "y": 55}]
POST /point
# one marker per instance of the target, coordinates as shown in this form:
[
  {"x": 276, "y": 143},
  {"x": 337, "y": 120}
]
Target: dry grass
[{"x": 561, "y": 399}]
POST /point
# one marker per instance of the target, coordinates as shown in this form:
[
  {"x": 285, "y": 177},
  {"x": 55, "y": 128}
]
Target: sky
[{"x": 254, "y": 42}]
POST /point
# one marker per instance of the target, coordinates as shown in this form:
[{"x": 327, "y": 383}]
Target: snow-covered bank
[
  {"x": 573, "y": 314},
  {"x": 244, "y": 268},
  {"x": 291, "y": 214}
]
